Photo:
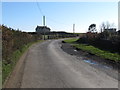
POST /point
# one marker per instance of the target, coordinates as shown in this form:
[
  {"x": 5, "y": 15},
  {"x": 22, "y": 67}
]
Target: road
[{"x": 48, "y": 66}]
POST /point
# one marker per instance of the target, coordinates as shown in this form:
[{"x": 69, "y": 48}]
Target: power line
[
  {"x": 55, "y": 21},
  {"x": 73, "y": 28},
  {"x": 39, "y": 8},
  {"x": 48, "y": 18},
  {"x": 67, "y": 27}
]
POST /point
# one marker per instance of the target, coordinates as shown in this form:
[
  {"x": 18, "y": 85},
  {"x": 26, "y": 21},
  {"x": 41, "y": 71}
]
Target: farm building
[
  {"x": 111, "y": 30},
  {"x": 42, "y": 29}
]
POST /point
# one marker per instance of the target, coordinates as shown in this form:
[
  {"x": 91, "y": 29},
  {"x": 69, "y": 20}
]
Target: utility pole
[
  {"x": 43, "y": 20},
  {"x": 73, "y": 28},
  {"x": 44, "y": 26}
]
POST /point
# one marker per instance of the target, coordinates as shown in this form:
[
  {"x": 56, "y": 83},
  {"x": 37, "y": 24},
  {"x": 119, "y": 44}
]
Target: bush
[{"x": 112, "y": 44}]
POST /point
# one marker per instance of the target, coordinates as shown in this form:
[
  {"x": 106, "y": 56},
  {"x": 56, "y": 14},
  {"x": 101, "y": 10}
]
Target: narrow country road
[{"x": 47, "y": 66}]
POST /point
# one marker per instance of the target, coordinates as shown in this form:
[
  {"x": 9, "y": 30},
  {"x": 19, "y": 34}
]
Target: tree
[
  {"x": 102, "y": 27},
  {"x": 92, "y": 28},
  {"x": 106, "y": 26}
]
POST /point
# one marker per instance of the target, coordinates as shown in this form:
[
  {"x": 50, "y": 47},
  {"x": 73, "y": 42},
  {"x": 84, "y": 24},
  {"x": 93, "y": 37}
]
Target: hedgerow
[{"x": 14, "y": 42}]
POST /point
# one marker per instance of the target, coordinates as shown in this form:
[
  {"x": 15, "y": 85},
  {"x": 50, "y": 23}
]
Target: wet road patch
[{"x": 97, "y": 64}]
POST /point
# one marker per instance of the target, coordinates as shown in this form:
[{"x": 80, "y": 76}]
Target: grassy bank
[
  {"x": 94, "y": 50},
  {"x": 0, "y": 74},
  {"x": 7, "y": 68}
]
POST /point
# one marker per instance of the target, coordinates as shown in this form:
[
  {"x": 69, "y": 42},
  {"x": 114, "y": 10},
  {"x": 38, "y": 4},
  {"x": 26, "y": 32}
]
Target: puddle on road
[
  {"x": 97, "y": 64},
  {"x": 91, "y": 62},
  {"x": 75, "y": 50}
]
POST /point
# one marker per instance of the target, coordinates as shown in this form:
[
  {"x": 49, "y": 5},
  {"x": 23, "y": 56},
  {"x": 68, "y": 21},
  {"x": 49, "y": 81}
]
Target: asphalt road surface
[{"x": 48, "y": 66}]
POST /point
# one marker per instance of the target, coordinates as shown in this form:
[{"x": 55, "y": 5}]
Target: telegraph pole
[
  {"x": 73, "y": 28},
  {"x": 43, "y": 20},
  {"x": 44, "y": 26}
]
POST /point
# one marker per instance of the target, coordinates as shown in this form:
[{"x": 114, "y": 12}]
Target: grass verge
[
  {"x": 8, "y": 68},
  {"x": 93, "y": 50},
  {"x": 0, "y": 74},
  {"x": 73, "y": 40}
]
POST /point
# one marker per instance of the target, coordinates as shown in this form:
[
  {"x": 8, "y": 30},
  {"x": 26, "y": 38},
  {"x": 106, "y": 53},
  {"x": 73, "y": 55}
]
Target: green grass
[
  {"x": 96, "y": 51},
  {"x": 0, "y": 74},
  {"x": 7, "y": 68},
  {"x": 70, "y": 40}
]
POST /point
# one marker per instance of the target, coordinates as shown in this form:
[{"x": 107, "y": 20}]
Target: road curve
[{"x": 48, "y": 66}]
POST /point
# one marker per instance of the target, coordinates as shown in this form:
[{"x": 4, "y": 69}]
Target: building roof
[{"x": 43, "y": 27}]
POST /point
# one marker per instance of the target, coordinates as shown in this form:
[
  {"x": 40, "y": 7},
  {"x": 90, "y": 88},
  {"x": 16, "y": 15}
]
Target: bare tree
[
  {"x": 102, "y": 27},
  {"x": 106, "y": 26}
]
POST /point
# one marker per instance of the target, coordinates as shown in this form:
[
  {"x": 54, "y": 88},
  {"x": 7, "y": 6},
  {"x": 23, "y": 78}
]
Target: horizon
[{"x": 60, "y": 16}]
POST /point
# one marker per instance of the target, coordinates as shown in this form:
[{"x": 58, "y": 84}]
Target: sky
[
  {"x": 119, "y": 15},
  {"x": 60, "y": 16}
]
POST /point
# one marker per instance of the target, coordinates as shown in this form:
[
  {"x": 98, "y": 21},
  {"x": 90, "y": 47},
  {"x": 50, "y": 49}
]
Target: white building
[{"x": 111, "y": 30}]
